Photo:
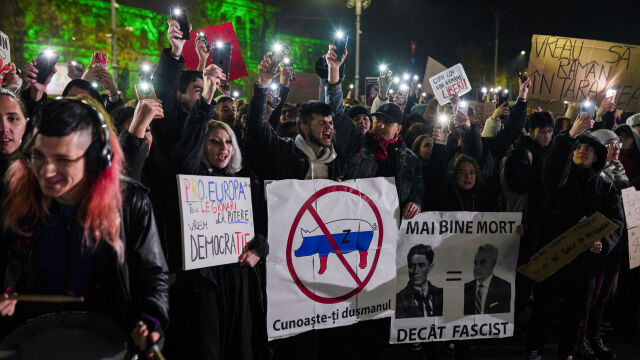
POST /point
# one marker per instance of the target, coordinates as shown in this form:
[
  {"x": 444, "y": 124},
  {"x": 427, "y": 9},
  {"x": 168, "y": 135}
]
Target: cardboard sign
[
  {"x": 568, "y": 246},
  {"x": 217, "y": 219},
  {"x": 371, "y": 89},
  {"x": 433, "y": 68},
  {"x": 450, "y": 82},
  {"x": 482, "y": 110},
  {"x": 563, "y": 68},
  {"x": 631, "y": 203},
  {"x": 437, "y": 300},
  {"x": 332, "y": 250},
  {"x": 225, "y": 33},
  {"x": 5, "y": 55}
]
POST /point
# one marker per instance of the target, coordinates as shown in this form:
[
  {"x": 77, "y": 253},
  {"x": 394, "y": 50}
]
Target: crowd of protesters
[{"x": 89, "y": 202}]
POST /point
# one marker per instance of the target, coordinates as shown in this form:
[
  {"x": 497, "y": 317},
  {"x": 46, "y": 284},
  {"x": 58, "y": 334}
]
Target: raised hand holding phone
[
  {"x": 175, "y": 37},
  {"x": 582, "y": 124},
  {"x": 212, "y": 76},
  {"x": 334, "y": 62},
  {"x": 35, "y": 71},
  {"x": 264, "y": 71}
]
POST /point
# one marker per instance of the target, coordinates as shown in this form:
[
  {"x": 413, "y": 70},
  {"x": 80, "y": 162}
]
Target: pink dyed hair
[{"x": 98, "y": 212}]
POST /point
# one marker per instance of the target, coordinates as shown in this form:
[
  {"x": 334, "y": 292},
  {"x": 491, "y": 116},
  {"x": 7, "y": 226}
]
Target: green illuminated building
[{"x": 78, "y": 28}]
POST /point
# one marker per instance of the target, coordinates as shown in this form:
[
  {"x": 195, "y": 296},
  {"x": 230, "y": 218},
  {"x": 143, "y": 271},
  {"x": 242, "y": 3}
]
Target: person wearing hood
[
  {"x": 310, "y": 156},
  {"x": 591, "y": 344},
  {"x": 634, "y": 122},
  {"x": 630, "y": 152},
  {"x": 576, "y": 190},
  {"x": 214, "y": 306}
]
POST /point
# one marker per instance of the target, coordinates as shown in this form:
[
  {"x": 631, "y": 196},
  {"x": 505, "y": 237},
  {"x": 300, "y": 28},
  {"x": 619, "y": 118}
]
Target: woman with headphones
[{"x": 68, "y": 231}]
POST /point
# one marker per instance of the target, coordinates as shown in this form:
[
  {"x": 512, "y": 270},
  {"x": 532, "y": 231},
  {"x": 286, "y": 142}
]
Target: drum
[{"x": 67, "y": 335}]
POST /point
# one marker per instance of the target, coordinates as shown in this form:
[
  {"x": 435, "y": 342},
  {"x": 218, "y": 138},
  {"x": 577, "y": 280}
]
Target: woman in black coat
[{"x": 213, "y": 306}]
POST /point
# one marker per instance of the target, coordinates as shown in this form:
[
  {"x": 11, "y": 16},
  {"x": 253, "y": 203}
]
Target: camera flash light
[
  {"x": 443, "y": 118},
  {"x": 424, "y": 94},
  {"x": 200, "y": 33},
  {"x": 404, "y": 87},
  {"x": 499, "y": 88},
  {"x": 464, "y": 104},
  {"x": 415, "y": 77},
  {"x": 339, "y": 34},
  {"x": 586, "y": 103},
  {"x": 611, "y": 93},
  {"x": 177, "y": 11},
  {"x": 506, "y": 91},
  {"x": 236, "y": 94},
  {"x": 277, "y": 47},
  {"x": 491, "y": 90},
  {"x": 484, "y": 90},
  {"x": 219, "y": 44},
  {"x": 419, "y": 86},
  {"x": 350, "y": 86},
  {"x": 144, "y": 86},
  {"x": 382, "y": 67},
  {"x": 94, "y": 84},
  {"x": 396, "y": 80},
  {"x": 286, "y": 60},
  {"x": 390, "y": 91},
  {"x": 566, "y": 102},
  {"x": 146, "y": 67},
  {"x": 274, "y": 86},
  {"x": 405, "y": 76},
  {"x": 49, "y": 53}
]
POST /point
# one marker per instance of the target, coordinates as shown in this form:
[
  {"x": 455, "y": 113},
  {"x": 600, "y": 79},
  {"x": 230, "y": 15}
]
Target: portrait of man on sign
[
  {"x": 420, "y": 297},
  {"x": 487, "y": 294}
]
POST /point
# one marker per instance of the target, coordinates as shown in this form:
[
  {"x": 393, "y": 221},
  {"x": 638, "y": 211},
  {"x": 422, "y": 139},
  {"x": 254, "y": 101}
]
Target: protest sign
[
  {"x": 371, "y": 89},
  {"x": 482, "y": 110},
  {"x": 443, "y": 258},
  {"x": 631, "y": 202},
  {"x": 571, "y": 69},
  {"x": 432, "y": 68},
  {"x": 225, "y": 33},
  {"x": 450, "y": 82},
  {"x": 332, "y": 253},
  {"x": 217, "y": 219},
  {"x": 5, "y": 55},
  {"x": 568, "y": 246}
]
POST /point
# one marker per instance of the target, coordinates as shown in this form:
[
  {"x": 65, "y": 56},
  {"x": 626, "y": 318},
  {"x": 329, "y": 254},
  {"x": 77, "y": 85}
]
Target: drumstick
[{"x": 47, "y": 298}]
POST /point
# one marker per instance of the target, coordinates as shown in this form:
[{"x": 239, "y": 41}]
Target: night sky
[{"x": 450, "y": 31}]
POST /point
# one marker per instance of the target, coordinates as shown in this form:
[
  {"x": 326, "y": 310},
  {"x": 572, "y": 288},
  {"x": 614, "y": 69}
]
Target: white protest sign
[
  {"x": 443, "y": 258},
  {"x": 5, "y": 55},
  {"x": 450, "y": 82},
  {"x": 217, "y": 219},
  {"x": 332, "y": 249},
  {"x": 631, "y": 203}
]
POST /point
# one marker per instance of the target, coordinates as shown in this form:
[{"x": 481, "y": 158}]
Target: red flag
[{"x": 225, "y": 33}]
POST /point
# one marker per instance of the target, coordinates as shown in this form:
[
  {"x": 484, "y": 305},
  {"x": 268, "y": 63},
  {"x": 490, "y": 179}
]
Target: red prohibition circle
[{"x": 307, "y": 207}]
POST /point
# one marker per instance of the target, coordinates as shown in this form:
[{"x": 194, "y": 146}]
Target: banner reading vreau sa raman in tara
[{"x": 456, "y": 276}]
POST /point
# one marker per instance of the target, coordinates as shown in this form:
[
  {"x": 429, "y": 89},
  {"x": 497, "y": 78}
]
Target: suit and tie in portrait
[{"x": 487, "y": 294}]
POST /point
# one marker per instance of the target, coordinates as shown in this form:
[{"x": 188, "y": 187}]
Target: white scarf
[{"x": 318, "y": 168}]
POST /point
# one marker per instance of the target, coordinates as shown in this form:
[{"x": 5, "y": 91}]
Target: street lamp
[
  {"x": 358, "y": 5},
  {"x": 522, "y": 52}
]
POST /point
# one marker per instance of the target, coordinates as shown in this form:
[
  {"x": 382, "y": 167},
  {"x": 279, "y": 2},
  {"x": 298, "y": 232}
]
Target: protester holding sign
[
  {"x": 576, "y": 190},
  {"x": 212, "y": 305}
]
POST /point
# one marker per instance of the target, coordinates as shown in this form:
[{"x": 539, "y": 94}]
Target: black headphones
[{"x": 99, "y": 154}]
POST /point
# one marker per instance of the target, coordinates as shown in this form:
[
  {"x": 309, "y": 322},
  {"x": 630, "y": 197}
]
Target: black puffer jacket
[
  {"x": 270, "y": 156},
  {"x": 124, "y": 291},
  {"x": 358, "y": 152},
  {"x": 576, "y": 192}
]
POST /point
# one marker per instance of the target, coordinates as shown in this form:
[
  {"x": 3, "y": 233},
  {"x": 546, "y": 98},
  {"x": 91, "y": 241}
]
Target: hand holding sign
[
  {"x": 11, "y": 78},
  {"x": 450, "y": 82}
]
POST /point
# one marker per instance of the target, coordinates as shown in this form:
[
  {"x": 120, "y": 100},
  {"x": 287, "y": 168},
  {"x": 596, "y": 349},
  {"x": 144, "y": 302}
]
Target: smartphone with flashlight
[
  {"x": 274, "y": 91},
  {"x": 203, "y": 37},
  {"x": 75, "y": 69},
  {"x": 382, "y": 70},
  {"x": 45, "y": 62},
  {"x": 221, "y": 56},
  {"x": 288, "y": 64},
  {"x": 463, "y": 107},
  {"x": 278, "y": 54},
  {"x": 611, "y": 93},
  {"x": 523, "y": 77},
  {"x": 587, "y": 107},
  {"x": 145, "y": 90},
  {"x": 340, "y": 41},
  {"x": 180, "y": 15}
]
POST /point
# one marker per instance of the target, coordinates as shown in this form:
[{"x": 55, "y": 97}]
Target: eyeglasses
[
  {"x": 614, "y": 145},
  {"x": 61, "y": 164}
]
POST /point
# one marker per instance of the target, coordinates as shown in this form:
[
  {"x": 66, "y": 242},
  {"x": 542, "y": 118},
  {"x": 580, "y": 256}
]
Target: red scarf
[{"x": 382, "y": 154}]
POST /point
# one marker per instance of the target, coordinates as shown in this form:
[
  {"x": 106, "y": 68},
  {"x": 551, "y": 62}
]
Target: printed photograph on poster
[
  {"x": 332, "y": 249},
  {"x": 456, "y": 276}
]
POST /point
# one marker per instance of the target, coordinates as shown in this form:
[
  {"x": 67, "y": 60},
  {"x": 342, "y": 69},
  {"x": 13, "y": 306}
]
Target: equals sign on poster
[{"x": 454, "y": 276}]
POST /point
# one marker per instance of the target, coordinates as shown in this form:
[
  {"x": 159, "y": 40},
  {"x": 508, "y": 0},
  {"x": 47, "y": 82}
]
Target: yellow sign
[
  {"x": 568, "y": 246},
  {"x": 563, "y": 68}
]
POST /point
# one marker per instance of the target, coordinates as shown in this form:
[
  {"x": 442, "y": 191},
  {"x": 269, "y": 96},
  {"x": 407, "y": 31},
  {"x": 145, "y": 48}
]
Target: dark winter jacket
[
  {"x": 358, "y": 152},
  {"x": 134, "y": 290},
  {"x": 576, "y": 192},
  {"x": 270, "y": 156}
]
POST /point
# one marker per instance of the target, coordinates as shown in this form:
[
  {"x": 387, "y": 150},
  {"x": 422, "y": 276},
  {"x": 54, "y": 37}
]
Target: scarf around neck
[
  {"x": 318, "y": 168},
  {"x": 383, "y": 142}
]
